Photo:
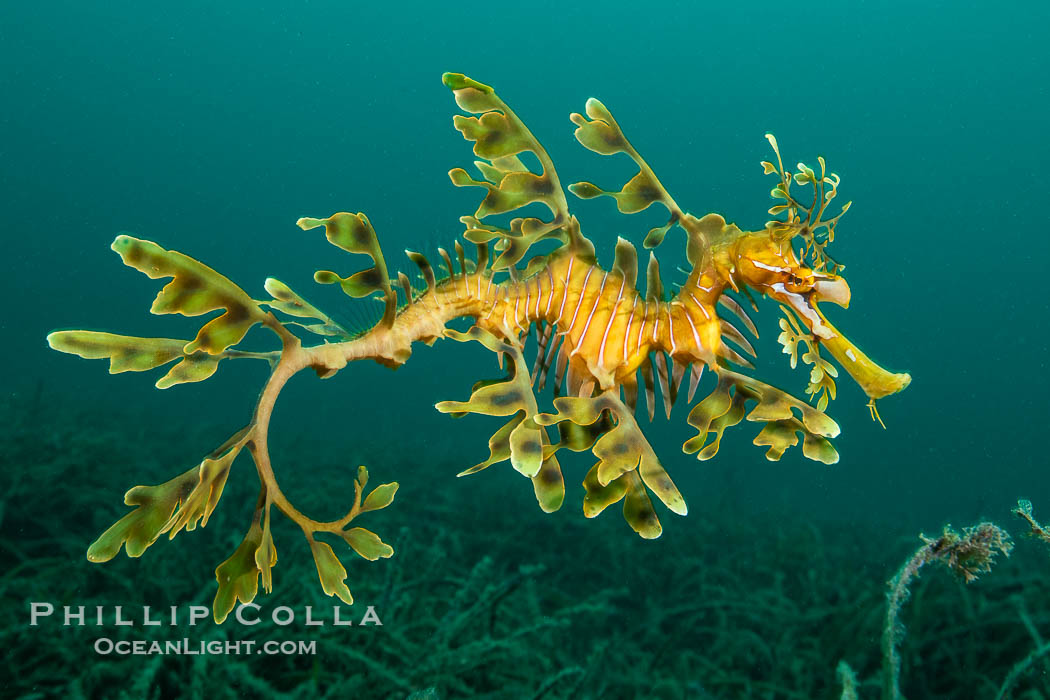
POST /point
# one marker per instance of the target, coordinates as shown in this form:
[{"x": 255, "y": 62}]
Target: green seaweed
[{"x": 741, "y": 606}]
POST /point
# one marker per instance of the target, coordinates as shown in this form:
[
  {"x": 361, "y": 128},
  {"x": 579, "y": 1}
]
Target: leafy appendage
[
  {"x": 367, "y": 544},
  {"x": 141, "y": 527},
  {"x": 599, "y": 131},
  {"x": 815, "y": 231},
  {"x": 290, "y": 303},
  {"x": 201, "y": 502},
  {"x": 521, "y": 440},
  {"x": 499, "y": 136},
  {"x": 364, "y": 542},
  {"x": 354, "y": 234},
  {"x": 190, "y": 498},
  {"x": 266, "y": 553},
  {"x": 170, "y": 507},
  {"x": 194, "y": 290},
  {"x": 627, "y": 463},
  {"x": 132, "y": 354},
  {"x": 238, "y": 576},
  {"x": 784, "y": 415},
  {"x": 331, "y": 572},
  {"x": 822, "y": 373}
]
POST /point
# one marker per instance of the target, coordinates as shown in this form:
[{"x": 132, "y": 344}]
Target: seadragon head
[{"x": 788, "y": 262}]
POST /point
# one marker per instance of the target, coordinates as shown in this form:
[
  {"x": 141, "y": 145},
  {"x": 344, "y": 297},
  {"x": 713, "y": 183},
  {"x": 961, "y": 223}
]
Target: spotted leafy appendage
[
  {"x": 200, "y": 503},
  {"x": 331, "y": 572},
  {"x": 598, "y": 131},
  {"x": 132, "y": 354},
  {"x": 238, "y": 576},
  {"x": 499, "y": 136},
  {"x": 196, "y": 289},
  {"x": 627, "y": 463},
  {"x": 364, "y": 542},
  {"x": 784, "y": 415},
  {"x": 141, "y": 527},
  {"x": 354, "y": 234},
  {"x": 815, "y": 231},
  {"x": 521, "y": 440},
  {"x": 170, "y": 507},
  {"x": 253, "y": 561},
  {"x": 191, "y": 498},
  {"x": 289, "y": 302}
]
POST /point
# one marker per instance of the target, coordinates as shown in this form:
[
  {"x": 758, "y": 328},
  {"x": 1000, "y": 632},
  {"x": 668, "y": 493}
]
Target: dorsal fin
[
  {"x": 424, "y": 267},
  {"x": 448, "y": 263},
  {"x": 625, "y": 262},
  {"x": 406, "y": 286},
  {"x": 461, "y": 256},
  {"x": 654, "y": 288}
]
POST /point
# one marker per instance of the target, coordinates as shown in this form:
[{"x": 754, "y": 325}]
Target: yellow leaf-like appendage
[
  {"x": 140, "y": 528},
  {"x": 238, "y": 576},
  {"x": 196, "y": 289}
]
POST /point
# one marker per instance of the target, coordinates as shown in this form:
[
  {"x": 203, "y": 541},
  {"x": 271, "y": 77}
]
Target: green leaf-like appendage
[
  {"x": 783, "y": 414},
  {"x": 524, "y": 439},
  {"x": 499, "y": 444},
  {"x": 331, "y": 571},
  {"x": 499, "y": 136},
  {"x": 194, "y": 290},
  {"x": 815, "y": 231},
  {"x": 622, "y": 450},
  {"x": 637, "y": 195},
  {"x": 132, "y": 354},
  {"x": 520, "y": 440},
  {"x": 598, "y": 496},
  {"x": 201, "y": 502},
  {"x": 367, "y": 544},
  {"x": 140, "y": 528},
  {"x": 598, "y": 131},
  {"x": 354, "y": 234},
  {"x": 638, "y": 509},
  {"x": 126, "y": 353},
  {"x": 289, "y": 302},
  {"x": 549, "y": 485},
  {"x": 381, "y": 497},
  {"x": 266, "y": 555},
  {"x": 238, "y": 576}
]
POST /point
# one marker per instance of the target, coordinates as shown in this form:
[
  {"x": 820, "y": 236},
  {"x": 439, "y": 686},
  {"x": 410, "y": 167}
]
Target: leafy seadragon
[{"x": 594, "y": 329}]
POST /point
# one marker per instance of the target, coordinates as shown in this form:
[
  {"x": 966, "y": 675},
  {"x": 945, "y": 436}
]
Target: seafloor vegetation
[{"x": 481, "y": 602}]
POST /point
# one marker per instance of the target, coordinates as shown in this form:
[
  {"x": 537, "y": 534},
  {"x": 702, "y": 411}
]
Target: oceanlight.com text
[{"x": 105, "y": 646}]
